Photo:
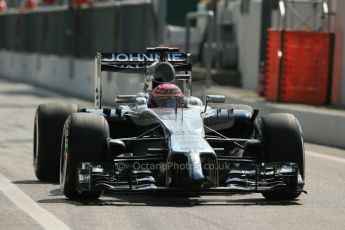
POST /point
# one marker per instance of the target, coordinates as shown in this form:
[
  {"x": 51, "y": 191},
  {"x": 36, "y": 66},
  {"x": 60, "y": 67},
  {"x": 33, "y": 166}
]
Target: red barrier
[
  {"x": 301, "y": 73},
  {"x": 31, "y": 4},
  {"x": 80, "y": 2}
]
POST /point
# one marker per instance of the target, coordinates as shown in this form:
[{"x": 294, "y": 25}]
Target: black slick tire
[
  {"x": 84, "y": 140},
  {"x": 48, "y": 126},
  {"x": 283, "y": 142}
]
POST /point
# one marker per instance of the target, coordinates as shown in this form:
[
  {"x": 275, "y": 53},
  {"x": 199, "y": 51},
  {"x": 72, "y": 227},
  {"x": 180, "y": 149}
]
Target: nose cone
[
  {"x": 197, "y": 178},
  {"x": 193, "y": 151}
]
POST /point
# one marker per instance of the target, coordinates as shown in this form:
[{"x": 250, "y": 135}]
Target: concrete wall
[{"x": 68, "y": 75}]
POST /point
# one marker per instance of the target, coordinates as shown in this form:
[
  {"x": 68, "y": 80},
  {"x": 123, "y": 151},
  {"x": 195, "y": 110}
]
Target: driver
[{"x": 167, "y": 95}]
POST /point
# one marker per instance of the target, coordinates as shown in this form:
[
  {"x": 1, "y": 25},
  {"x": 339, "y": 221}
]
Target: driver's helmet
[{"x": 167, "y": 95}]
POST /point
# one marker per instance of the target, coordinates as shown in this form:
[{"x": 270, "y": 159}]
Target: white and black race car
[{"x": 165, "y": 140}]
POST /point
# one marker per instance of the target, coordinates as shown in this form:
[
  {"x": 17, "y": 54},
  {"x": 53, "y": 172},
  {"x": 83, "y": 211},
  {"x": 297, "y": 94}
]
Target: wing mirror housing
[
  {"x": 214, "y": 99},
  {"x": 125, "y": 99}
]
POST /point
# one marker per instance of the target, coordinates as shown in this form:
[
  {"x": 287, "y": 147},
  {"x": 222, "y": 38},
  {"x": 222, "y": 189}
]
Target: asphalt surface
[{"x": 26, "y": 203}]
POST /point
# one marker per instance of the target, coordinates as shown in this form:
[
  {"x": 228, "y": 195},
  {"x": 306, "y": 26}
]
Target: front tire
[
  {"x": 84, "y": 140},
  {"x": 283, "y": 142}
]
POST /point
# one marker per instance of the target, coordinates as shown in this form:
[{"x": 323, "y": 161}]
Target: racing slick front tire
[
  {"x": 48, "y": 126},
  {"x": 84, "y": 140},
  {"x": 283, "y": 142}
]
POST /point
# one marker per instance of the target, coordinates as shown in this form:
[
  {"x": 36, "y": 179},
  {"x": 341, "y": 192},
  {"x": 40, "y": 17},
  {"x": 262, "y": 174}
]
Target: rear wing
[{"x": 137, "y": 63}]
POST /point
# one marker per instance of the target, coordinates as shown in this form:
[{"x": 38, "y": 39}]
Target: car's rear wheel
[
  {"x": 283, "y": 142},
  {"x": 84, "y": 140},
  {"x": 48, "y": 126}
]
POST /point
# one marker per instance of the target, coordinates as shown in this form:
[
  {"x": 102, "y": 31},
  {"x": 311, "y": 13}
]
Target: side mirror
[
  {"x": 126, "y": 99},
  {"x": 214, "y": 99},
  {"x": 116, "y": 147}
]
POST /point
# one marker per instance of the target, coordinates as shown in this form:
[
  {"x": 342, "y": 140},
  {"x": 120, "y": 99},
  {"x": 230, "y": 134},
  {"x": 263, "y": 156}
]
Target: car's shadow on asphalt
[
  {"x": 159, "y": 200},
  {"x": 168, "y": 201},
  {"x": 32, "y": 182}
]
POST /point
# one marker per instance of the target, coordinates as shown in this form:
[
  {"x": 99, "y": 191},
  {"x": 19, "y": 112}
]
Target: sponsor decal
[{"x": 138, "y": 57}]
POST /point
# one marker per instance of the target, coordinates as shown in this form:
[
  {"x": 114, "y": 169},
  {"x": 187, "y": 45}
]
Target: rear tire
[
  {"x": 84, "y": 140},
  {"x": 48, "y": 126},
  {"x": 283, "y": 142}
]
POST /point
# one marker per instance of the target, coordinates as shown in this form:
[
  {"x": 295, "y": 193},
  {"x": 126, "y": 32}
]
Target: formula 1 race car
[{"x": 164, "y": 140}]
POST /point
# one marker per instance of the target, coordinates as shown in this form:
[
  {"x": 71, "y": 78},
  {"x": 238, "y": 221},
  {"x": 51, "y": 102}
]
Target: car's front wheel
[
  {"x": 283, "y": 142},
  {"x": 84, "y": 140}
]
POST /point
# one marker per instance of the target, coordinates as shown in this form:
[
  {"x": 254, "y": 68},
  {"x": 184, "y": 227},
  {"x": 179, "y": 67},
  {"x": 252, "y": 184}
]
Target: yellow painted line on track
[{"x": 30, "y": 207}]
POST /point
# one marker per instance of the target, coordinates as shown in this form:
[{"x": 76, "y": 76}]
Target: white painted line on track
[
  {"x": 25, "y": 203},
  {"x": 326, "y": 157}
]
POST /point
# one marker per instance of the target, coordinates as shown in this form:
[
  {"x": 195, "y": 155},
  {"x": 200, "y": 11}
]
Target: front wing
[{"x": 253, "y": 178}]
